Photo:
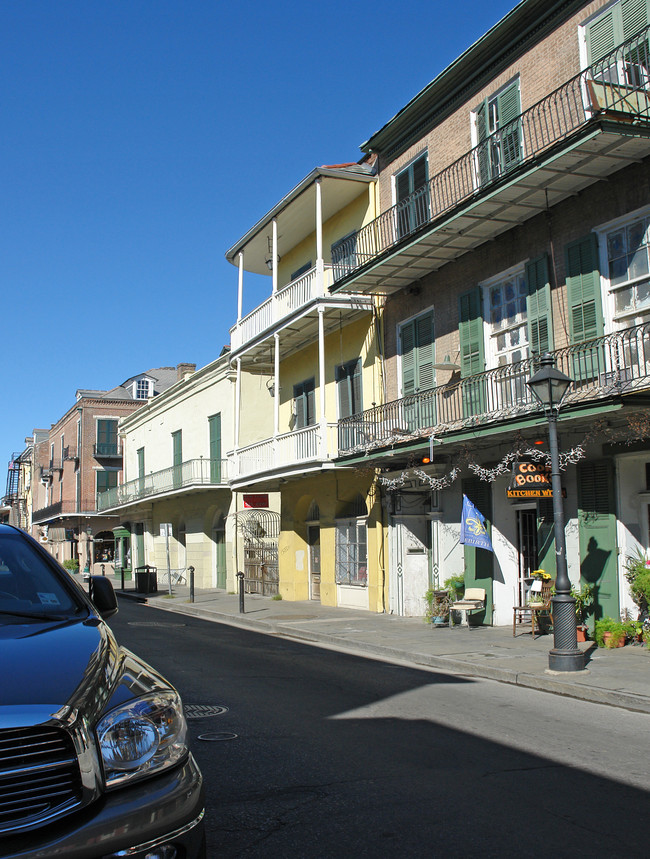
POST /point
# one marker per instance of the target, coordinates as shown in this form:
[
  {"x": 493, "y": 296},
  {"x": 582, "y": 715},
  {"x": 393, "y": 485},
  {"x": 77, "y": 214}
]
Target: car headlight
[{"x": 142, "y": 737}]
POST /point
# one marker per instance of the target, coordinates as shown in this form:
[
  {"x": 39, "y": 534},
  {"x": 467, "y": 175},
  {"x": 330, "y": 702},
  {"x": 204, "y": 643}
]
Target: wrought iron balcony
[
  {"x": 615, "y": 365},
  {"x": 617, "y": 88},
  {"x": 187, "y": 475},
  {"x": 107, "y": 450},
  {"x": 57, "y": 510}
]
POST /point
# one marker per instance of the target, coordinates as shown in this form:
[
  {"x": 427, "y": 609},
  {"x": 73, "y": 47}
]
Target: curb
[{"x": 459, "y": 667}]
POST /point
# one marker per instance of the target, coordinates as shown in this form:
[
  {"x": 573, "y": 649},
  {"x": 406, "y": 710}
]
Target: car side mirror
[{"x": 103, "y": 596}]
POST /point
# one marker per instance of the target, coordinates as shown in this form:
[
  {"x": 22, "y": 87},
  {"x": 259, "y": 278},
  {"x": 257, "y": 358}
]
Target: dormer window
[{"x": 142, "y": 389}]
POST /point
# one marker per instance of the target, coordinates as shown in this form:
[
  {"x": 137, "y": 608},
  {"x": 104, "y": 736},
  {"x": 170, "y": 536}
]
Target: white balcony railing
[
  {"x": 291, "y": 449},
  {"x": 282, "y": 305}
]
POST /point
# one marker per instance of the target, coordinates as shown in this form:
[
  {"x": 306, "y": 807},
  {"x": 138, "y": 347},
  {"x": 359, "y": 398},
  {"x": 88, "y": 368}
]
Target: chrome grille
[{"x": 39, "y": 777}]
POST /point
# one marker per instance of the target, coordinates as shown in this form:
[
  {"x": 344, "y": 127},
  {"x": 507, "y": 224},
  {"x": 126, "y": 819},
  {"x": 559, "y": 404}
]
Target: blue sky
[{"x": 141, "y": 139}]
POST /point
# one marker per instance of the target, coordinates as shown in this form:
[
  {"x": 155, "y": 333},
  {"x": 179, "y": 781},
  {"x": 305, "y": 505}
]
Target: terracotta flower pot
[
  {"x": 582, "y": 632},
  {"x": 607, "y": 638}
]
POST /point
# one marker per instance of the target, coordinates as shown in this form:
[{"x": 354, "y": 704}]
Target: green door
[
  {"x": 597, "y": 531},
  {"x": 214, "y": 428},
  {"x": 479, "y": 563}
]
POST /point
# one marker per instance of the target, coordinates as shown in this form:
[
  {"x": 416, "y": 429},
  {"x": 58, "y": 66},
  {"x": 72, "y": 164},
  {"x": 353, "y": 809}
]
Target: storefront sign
[
  {"x": 530, "y": 480},
  {"x": 256, "y": 501}
]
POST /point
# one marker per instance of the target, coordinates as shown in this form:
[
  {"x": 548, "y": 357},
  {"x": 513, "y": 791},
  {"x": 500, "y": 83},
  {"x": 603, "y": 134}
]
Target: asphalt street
[{"x": 314, "y": 752}]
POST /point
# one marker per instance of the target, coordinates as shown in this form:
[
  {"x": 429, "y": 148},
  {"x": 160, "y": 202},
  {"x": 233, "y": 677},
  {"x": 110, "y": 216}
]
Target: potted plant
[
  {"x": 610, "y": 633},
  {"x": 637, "y": 574},
  {"x": 584, "y": 597},
  {"x": 437, "y": 610},
  {"x": 71, "y": 565}
]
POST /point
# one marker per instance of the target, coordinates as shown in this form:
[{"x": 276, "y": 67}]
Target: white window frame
[
  {"x": 489, "y": 336},
  {"x": 633, "y": 317},
  {"x": 356, "y": 523},
  {"x": 405, "y": 166}
]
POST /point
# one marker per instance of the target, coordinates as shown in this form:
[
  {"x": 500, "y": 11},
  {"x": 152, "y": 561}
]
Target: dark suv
[{"x": 94, "y": 760}]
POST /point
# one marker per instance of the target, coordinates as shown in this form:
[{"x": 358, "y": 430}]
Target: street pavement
[{"x": 619, "y": 677}]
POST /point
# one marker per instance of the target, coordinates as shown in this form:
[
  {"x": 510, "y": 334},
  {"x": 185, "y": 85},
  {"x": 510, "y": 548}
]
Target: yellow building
[{"x": 320, "y": 358}]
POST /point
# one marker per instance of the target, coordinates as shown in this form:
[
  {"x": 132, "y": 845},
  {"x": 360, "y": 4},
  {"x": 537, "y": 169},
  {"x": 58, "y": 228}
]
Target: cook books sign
[{"x": 530, "y": 480}]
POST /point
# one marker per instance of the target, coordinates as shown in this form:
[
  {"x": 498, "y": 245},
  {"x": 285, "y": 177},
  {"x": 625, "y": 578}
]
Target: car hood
[{"x": 54, "y": 670}]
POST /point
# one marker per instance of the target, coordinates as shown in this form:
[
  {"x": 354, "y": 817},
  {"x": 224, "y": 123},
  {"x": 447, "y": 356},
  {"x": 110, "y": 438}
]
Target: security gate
[{"x": 261, "y": 530}]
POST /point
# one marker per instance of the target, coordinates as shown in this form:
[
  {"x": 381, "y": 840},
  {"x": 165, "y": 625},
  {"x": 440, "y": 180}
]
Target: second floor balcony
[
  {"x": 191, "y": 475},
  {"x": 610, "y": 367},
  {"x": 593, "y": 125}
]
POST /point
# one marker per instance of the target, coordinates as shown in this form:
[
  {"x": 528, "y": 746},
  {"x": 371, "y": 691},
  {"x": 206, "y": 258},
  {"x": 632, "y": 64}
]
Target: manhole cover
[
  {"x": 202, "y": 711},
  {"x": 154, "y": 623},
  {"x": 216, "y": 736}
]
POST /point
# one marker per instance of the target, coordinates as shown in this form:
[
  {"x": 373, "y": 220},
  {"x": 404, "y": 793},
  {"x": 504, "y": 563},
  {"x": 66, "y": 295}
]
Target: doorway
[
  {"x": 526, "y": 550},
  {"x": 313, "y": 539}
]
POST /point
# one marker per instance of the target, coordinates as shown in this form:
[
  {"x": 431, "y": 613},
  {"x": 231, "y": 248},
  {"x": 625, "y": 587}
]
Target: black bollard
[
  {"x": 240, "y": 576},
  {"x": 191, "y": 572}
]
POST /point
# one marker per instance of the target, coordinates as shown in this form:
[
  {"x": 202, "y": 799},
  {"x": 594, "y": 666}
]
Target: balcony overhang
[
  {"x": 148, "y": 500},
  {"x": 601, "y": 148},
  {"x": 296, "y": 212},
  {"x": 300, "y": 330},
  {"x": 273, "y": 481}
]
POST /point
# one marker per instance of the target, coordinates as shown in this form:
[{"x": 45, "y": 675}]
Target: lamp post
[{"x": 550, "y": 386}]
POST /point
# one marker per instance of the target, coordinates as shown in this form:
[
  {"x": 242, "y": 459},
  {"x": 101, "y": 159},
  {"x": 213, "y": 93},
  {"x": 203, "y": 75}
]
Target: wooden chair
[
  {"x": 473, "y": 600},
  {"x": 521, "y": 612}
]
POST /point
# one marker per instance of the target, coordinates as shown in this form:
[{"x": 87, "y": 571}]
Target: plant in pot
[
  {"x": 638, "y": 578},
  {"x": 71, "y": 565},
  {"x": 610, "y": 633},
  {"x": 584, "y": 597},
  {"x": 437, "y": 610}
]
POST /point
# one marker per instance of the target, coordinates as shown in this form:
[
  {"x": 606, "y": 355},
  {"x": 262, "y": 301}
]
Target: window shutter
[
  {"x": 634, "y": 14},
  {"x": 424, "y": 355},
  {"x": 407, "y": 332},
  {"x": 616, "y": 26},
  {"x": 402, "y": 185},
  {"x": 508, "y": 109},
  {"x": 538, "y": 306},
  {"x": 583, "y": 289},
  {"x": 470, "y": 332},
  {"x": 348, "y": 382},
  {"x": 214, "y": 428},
  {"x": 600, "y": 37},
  {"x": 419, "y": 172}
]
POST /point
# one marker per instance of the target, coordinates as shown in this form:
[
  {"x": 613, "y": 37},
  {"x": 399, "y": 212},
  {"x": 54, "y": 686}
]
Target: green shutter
[
  {"x": 472, "y": 351},
  {"x": 407, "y": 332},
  {"x": 348, "y": 383},
  {"x": 479, "y": 562},
  {"x": 508, "y": 109},
  {"x": 615, "y": 26},
  {"x": 597, "y": 534},
  {"x": 601, "y": 38},
  {"x": 424, "y": 339},
  {"x": 583, "y": 289},
  {"x": 177, "y": 458},
  {"x": 538, "y": 306},
  {"x": 635, "y": 15},
  {"x": 214, "y": 428}
]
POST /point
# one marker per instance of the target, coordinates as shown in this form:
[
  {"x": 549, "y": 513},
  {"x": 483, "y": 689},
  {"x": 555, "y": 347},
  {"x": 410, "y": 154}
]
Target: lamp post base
[{"x": 566, "y": 660}]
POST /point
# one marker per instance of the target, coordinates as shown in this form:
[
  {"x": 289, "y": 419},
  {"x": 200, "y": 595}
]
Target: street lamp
[{"x": 550, "y": 387}]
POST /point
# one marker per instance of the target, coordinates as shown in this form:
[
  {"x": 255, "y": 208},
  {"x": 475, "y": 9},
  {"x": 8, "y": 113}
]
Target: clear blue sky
[{"x": 141, "y": 138}]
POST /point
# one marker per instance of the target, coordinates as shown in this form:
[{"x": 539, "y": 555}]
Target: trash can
[{"x": 146, "y": 581}]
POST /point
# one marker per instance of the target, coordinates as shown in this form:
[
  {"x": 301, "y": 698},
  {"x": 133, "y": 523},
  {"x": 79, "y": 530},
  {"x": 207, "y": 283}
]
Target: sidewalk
[{"x": 618, "y": 677}]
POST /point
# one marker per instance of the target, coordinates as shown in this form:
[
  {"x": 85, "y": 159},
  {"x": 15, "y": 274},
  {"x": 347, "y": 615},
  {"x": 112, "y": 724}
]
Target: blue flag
[{"x": 472, "y": 527}]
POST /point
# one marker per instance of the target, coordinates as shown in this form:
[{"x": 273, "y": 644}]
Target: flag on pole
[{"x": 472, "y": 527}]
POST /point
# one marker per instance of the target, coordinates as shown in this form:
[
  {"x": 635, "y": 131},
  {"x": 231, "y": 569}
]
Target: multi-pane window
[
  {"x": 498, "y": 133},
  {"x": 629, "y": 269},
  {"x": 351, "y": 552},
  {"x": 106, "y": 437},
  {"x": 506, "y": 313},
  {"x": 142, "y": 389}
]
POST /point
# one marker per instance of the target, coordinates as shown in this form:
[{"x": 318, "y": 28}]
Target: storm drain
[
  {"x": 217, "y": 736},
  {"x": 202, "y": 711}
]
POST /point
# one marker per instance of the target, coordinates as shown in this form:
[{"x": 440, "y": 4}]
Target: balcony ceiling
[
  {"x": 301, "y": 331},
  {"x": 296, "y": 215},
  {"x": 551, "y": 179}
]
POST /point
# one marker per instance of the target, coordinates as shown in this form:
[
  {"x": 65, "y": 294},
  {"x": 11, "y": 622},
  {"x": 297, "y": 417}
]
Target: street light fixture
[{"x": 550, "y": 386}]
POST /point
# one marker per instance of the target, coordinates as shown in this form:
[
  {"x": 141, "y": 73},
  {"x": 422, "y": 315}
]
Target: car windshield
[{"x": 29, "y": 587}]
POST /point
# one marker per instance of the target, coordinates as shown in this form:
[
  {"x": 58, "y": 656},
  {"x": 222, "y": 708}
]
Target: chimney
[{"x": 184, "y": 371}]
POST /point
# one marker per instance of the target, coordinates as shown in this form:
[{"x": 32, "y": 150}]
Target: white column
[
  {"x": 276, "y": 387},
  {"x": 321, "y": 381},
  {"x": 275, "y": 256},
  {"x": 237, "y": 412},
  {"x": 319, "y": 225},
  {"x": 240, "y": 288}
]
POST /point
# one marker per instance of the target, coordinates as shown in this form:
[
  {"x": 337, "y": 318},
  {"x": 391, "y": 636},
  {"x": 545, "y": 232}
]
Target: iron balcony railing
[
  {"x": 617, "y": 87},
  {"x": 59, "y": 508},
  {"x": 194, "y": 472},
  {"x": 612, "y": 365},
  {"x": 106, "y": 449}
]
